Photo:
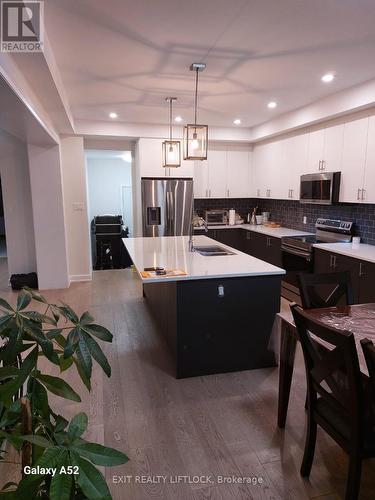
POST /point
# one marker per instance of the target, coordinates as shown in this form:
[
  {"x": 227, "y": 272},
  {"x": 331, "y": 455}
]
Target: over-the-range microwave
[{"x": 320, "y": 188}]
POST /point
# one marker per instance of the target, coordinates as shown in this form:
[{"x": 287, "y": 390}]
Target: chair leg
[
  {"x": 354, "y": 477},
  {"x": 308, "y": 454}
]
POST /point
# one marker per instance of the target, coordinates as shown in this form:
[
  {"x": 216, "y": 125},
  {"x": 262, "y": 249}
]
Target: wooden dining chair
[
  {"x": 368, "y": 349},
  {"x": 335, "y": 395},
  {"x": 325, "y": 290}
]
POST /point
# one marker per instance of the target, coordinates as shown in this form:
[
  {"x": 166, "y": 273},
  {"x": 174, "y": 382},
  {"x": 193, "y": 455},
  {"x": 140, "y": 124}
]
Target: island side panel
[{"x": 217, "y": 334}]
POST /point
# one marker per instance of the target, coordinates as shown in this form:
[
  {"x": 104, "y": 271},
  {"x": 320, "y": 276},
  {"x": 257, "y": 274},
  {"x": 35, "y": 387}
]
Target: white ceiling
[{"x": 127, "y": 56}]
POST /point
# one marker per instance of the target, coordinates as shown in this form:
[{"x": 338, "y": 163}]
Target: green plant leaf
[
  {"x": 13, "y": 439},
  {"x": 98, "y": 331},
  {"x": 9, "y": 388},
  {"x": 8, "y": 372},
  {"x": 5, "y": 305},
  {"x": 60, "y": 339},
  {"x": 86, "y": 318},
  {"x": 84, "y": 357},
  {"x": 10, "y": 415},
  {"x": 23, "y": 300},
  {"x": 37, "y": 440},
  {"x": 65, "y": 363},
  {"x": 35, "y": 295},
  {"x": 60, "y": 423},
  {"x": 71, "y": 342},
  {"x": 68, "y": 313},
  {"x": 61, "y": 484},
  {"x": 97, "y": 354},
  {"x": 40, "y": 398},
  {"x": 53, "y": 333},
  {"x": 77, "y": 426},
  {"x": 58, "y": 386},
  {"x": 4, "y": 322},
  {"x": 100, "y": 455},
  {"x": 82, "y": 374},
  {"x": 39, "y": 318},
  {"x": 90, "y": 480}
]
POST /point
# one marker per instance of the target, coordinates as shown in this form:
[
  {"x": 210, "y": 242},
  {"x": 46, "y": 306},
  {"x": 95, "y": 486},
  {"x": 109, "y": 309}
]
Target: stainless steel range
[{"x": 298, "y": 252}]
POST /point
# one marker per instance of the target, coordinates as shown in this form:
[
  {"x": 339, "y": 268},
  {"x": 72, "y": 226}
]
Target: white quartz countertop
[
  {"x": 357, "y": 251},
  {"x": 277, "y": 232},
  {"x": 172, "y": 252}
]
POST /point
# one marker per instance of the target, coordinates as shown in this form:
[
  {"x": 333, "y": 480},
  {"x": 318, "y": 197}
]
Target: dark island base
[{"x": 209, "y": 333}]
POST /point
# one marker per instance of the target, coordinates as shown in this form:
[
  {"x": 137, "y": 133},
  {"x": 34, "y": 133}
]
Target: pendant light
[
  {"x": 171, "y": 150},
  {"x": 196, "y": 136}
]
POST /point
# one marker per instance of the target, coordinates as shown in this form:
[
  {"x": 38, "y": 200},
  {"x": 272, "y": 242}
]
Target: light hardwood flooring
[{"x": 218, "y": 425}]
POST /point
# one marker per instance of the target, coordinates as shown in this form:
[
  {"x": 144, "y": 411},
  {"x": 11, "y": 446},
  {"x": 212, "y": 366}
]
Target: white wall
[
  {"x": 75, "y": 208},
  {"x": 48, "y": 213},
  {"x": 14, "y": 170},
  {"x": 105, "y": 177}
]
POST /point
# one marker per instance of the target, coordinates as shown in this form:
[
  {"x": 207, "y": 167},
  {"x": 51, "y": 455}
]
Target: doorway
[{"x": 110, "y": 202}]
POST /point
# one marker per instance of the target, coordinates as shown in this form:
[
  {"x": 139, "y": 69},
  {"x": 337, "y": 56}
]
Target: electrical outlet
[
  {"x": 220, "y": 291},
  {"x": 305, "y": 219}
]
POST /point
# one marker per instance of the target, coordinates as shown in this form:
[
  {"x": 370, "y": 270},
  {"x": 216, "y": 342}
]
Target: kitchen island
[{"x": 218, "y": 316}]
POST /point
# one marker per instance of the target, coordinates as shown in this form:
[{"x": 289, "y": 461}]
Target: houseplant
[{"x": 57, "y": 463}]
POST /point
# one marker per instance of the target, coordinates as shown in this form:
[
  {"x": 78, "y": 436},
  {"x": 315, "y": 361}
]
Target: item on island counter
[
  {"x": 356, "y": 241},
  {"x": 156, "y": 272},
  {"x": 272, "y": 225},
  {"x": 266, "y": 216},
  {"x": 253, "y": 219},
  {"x": 259, "y": 219},
  {"x": 232, "y": 217}
]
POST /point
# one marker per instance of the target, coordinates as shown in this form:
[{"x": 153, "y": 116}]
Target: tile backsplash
[{"x": 290, "y": 213}]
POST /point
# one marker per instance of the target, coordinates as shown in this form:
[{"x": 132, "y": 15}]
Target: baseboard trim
[{"x": 73, "y": 278}]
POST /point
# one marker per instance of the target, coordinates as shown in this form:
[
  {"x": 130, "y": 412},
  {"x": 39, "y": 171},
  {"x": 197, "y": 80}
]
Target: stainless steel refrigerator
[{"x": 167, "y": 206}]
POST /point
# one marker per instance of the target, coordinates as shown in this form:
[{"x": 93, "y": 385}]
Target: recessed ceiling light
[
  {"x": 113, "y": 115},
  {"x": 327, "y": 78},
  {"x": 272, "y": 104},
  {"x": 237, "y": 121},
  {"x": 178, "y": 119}
]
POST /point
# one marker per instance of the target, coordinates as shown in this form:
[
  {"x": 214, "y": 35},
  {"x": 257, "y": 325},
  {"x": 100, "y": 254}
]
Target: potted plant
[{"x": 57, "y": 462}]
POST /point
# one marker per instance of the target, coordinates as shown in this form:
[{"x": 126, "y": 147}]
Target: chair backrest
[
  {"x": 325, "y": 290},
  {"x": 332, "y": 368},
  {"x": 368, "y": 349}
]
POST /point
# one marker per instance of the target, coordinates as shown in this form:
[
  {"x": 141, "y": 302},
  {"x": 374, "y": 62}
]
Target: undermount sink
[{"x": 212, "y": 251}]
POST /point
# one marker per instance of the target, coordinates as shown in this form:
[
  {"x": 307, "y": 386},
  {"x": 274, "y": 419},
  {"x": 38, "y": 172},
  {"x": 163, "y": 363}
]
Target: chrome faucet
[{"x": 201, "y": 222}]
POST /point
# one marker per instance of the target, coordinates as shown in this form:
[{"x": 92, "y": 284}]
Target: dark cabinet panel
[{"x": 362, "y": 273}]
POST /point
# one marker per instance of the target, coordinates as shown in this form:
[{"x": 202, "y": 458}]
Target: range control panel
[{"x": 334, "y": 225}]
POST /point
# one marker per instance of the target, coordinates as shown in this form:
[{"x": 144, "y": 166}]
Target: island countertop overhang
[{"x": 172, "y": 252}]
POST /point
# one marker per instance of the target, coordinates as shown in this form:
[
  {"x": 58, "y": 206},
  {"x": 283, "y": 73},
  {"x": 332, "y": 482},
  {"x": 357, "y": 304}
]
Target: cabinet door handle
[
  {"x": 363, "y": 197},
  {"x": 330, "y": 260},
  {"x": 361, "y": 273},
  {"x": 334, "y": 261},
  {"x": 320, "y": 164},
  {"x": 291, "y": 193},
  {"x": 323, "y": 165},
  {"x": 206, "y": 193},
  {"x": 228, "y": 193},
  {"x": 359, "y": 194},
  {"x": 209, "y": 193}
]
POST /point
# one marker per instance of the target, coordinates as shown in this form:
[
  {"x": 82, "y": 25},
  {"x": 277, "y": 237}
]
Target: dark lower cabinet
[{"x": 362, "y": 273}]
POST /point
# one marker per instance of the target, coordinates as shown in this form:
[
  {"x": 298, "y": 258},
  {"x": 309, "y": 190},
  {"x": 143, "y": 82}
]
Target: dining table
[{"x": 359, "y": 319}]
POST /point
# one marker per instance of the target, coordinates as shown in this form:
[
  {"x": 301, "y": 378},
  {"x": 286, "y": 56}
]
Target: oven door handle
[{"x": 299, "y": 253}]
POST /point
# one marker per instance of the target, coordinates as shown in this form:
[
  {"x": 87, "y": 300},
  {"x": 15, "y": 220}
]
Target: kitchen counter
[
  {"x": 360, "y": 251},
  {"x": 172, "y": 252},
  {"x": 219, "y": 317},
  {"x": 277, "y": 232}
]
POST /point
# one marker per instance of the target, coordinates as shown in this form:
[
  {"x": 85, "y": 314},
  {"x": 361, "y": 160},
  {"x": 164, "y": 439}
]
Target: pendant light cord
[
  {"x": 196, "y": 97},
  {"x": 170, "y": 119}
]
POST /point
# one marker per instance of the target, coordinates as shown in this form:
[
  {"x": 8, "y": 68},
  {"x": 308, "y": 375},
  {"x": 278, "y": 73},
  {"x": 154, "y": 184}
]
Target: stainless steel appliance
[
  {"x": 216, "y": 217},
  {"x": 298, "y": 252},
  {"x": 167, "y": 206},
  {"x": 320, "y": 188}
]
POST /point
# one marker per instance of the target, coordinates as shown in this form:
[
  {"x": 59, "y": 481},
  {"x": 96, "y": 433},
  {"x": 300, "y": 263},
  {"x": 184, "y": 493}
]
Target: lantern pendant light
[
  {"x": 171, "y": 150},
  {"x": 196, "y": 136}
]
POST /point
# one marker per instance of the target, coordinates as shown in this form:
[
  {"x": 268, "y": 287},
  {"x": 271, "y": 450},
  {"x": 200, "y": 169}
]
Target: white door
[
  {"x": 217, "y": 173},
  {"x": 316, "y": 150},
  {"x": 200, "y": 178},
  {"x": 333, "y": 148},
  {"x": 353, "y": 160},
  {"x": 238, "y": 173},
  {"x": 368, "y": 194}
]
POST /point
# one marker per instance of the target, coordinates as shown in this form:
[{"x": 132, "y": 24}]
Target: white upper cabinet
[
  {"x": 217, "y": 173},
  {"x": 296, "y": 151},
  {"x": 268, "y": 168},
  {"x": 368, "y": 193},
  {"x": 315, "y": 152},
  {"x": 238, "y": 173},
  {"x": 200, "y": 178},
  {"x": 333, "y": 148},
  {"x": 353, "y": 160}
]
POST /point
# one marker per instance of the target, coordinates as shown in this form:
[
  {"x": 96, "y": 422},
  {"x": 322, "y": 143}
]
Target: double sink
[{"x": 212, "y": 250}]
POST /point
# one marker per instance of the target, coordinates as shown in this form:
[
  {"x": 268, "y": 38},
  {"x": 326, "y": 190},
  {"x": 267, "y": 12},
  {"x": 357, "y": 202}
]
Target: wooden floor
[{"x": 215, "y": 426}]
